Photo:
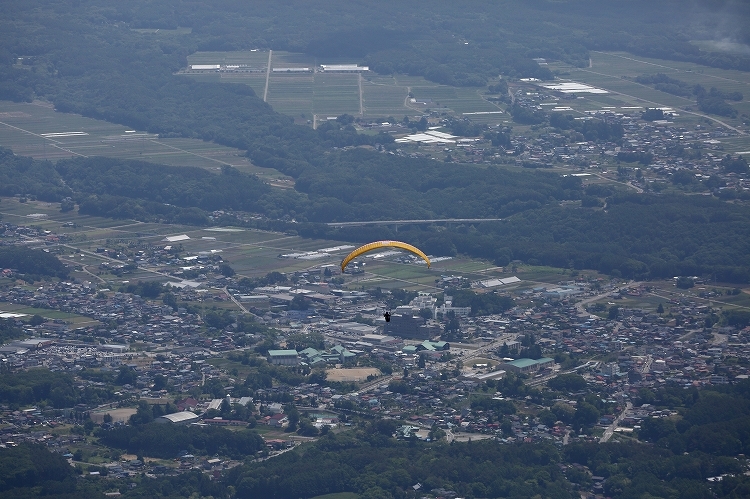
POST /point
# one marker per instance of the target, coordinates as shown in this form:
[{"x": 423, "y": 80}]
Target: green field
[
  {"x": 383, "y": 97},
  {"x": 255, "y": 81},
  {"x": 38, "y": 131},
  {"x": 336, "y": 94},
  {"x": 326, "y": 95},
  {"x": 292, "y": 94},
  {"x": 251, "y": 253},
  {"x": 253, "y": 58},
  {"x": 664, "y": 291},
  {"x": 73, "y": 319},
  {"x": 614, "y": 72},
  {"x": 302, "y": 95}
]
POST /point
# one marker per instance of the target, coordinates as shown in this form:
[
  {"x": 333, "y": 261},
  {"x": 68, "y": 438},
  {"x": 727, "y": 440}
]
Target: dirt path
[{"x": 361, "y": 99}]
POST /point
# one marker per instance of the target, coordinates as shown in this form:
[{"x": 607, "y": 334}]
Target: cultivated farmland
[
  {"x": 303, "y": 95},
  {"x": 38, "y": 131}
]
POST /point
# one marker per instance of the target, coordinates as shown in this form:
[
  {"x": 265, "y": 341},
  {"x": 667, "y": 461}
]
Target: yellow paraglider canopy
[{"x": 383, "y": 244}]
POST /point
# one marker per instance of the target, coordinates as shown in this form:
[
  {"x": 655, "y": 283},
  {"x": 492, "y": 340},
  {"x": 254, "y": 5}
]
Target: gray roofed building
[
  {"x": 179, "y": 418},
  {"x": 283, "y": 357},
  {"x": 527, "y": 365}
]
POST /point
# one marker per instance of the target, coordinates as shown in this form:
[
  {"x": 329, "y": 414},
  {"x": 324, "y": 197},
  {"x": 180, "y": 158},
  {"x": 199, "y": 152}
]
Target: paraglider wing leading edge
[{"x": 383, "y": 244}]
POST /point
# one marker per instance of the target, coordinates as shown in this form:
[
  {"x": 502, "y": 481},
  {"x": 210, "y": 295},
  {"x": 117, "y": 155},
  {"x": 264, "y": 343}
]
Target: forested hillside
[
  {"x": 712, "y": 426},
  {"x": 378, "y": 466},
  {"x": 30, "y": 470}
]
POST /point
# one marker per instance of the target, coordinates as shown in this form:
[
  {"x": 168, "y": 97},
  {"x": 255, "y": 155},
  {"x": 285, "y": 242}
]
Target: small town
[{"x": 307, "y": 353}]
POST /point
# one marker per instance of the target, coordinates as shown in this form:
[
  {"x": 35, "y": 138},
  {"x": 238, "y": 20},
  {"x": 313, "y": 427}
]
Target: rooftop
[
  {"x": 180, "y": 417},
  {"x": 281, "y": 353}
]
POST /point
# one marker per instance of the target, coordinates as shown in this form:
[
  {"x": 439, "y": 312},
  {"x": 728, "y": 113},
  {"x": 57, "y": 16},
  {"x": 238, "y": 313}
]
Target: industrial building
[
  {"x": 527, "y": 365},
  {"x": 33, "y": 343},
  {"x": 474, "y": 376},
  {"x": 259, "y": 301},
  {"x": 292, "y": 70},
  {"x": 343, "y": 68},
  {"x": 562, "y": 292}
]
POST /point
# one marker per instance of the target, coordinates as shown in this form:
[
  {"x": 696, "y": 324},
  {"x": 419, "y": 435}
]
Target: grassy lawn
[
  {"x": 229, "y": 366},
  {"x": 73, "y": 319}
]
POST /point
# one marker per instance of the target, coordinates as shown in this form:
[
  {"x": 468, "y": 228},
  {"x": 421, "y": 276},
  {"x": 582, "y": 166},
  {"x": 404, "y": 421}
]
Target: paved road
[
  {"x": 647, "y": 365},
  {"x": 268, "y": 75},
  {"x": 375, "y": 384},
  {"x": 626, "y": 184},
  {"x": 236, "y": 302},
  {"x": 449, "y": 436},
  {"x": 273, "y": 455},
  {"x": 611, "y": 428},
  {"x": 418, "y": 221},
  {"x": 581, "y": 305},
  {"x": 361, "y": 105}
]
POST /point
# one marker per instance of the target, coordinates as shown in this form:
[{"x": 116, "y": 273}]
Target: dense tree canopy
[
  {"x": 37, "y": 386},
  {"x": 167, "y": 440},
  {"x": 31, "y": 261},
  {"x": 386, "y": 467},
  {"x": 29, "y": 469}
]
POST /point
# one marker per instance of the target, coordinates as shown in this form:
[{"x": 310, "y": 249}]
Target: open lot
[
  {"x": 118, "y": 415},
  {"x": 355, "y": 374}
]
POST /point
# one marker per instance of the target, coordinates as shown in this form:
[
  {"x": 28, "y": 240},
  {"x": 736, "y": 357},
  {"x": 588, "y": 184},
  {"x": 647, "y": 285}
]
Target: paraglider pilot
[{"x": 387, "y": 317}]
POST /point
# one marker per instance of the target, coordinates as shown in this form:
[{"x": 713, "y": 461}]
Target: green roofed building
[
  {"x": 283, "y": 357},
  {"x": 527, "y": 365},
  {"x": 312, "y": 357},
  {"x": 434, "y": 346}
]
